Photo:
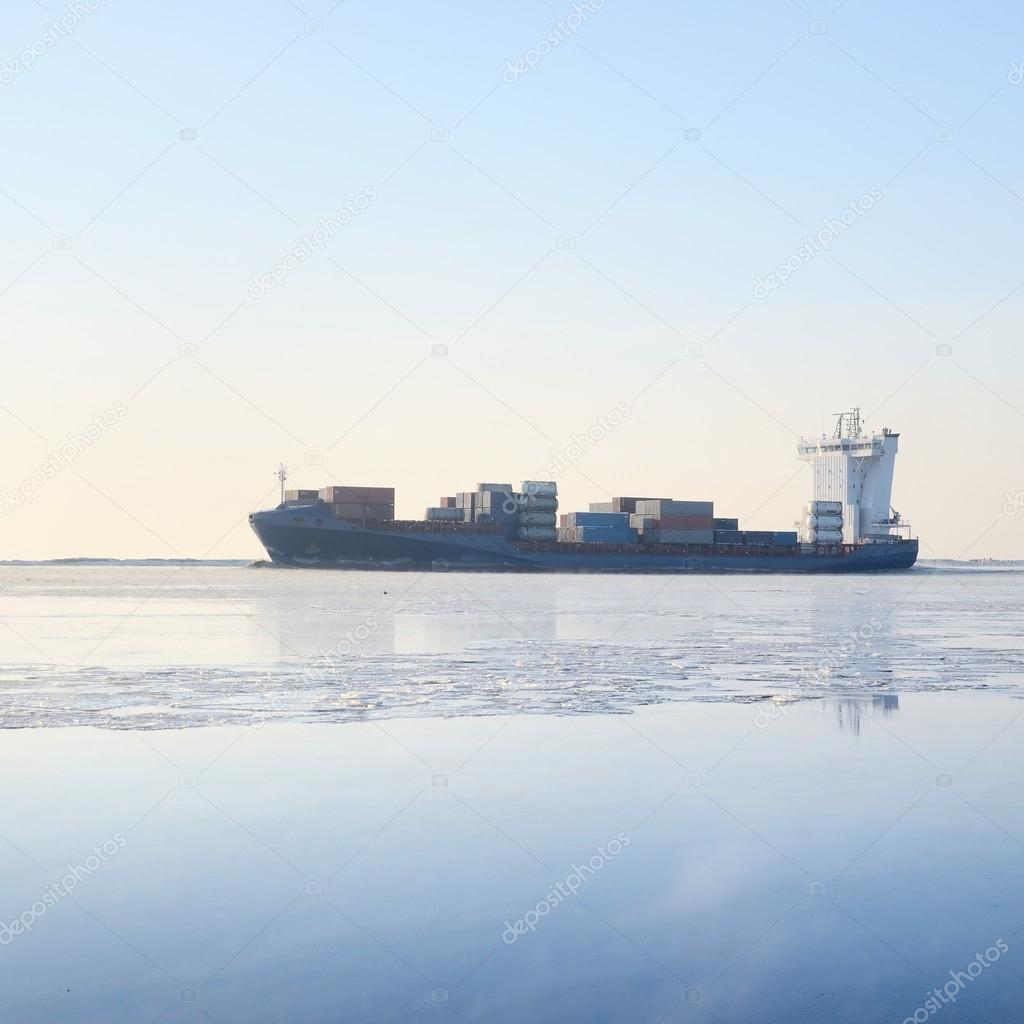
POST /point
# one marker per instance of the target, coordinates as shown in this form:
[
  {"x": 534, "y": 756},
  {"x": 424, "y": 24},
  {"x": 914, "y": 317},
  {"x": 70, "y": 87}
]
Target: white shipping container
[
  {"x": 540, "y": 488},
  {"x": 439, "y": 514},
  {"x": 537, "y": 519},
  {"x": 828, "y": 522}
]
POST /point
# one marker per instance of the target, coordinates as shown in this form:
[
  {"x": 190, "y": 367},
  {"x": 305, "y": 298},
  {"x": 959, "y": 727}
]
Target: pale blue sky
[{"x": 567, "y": 235}]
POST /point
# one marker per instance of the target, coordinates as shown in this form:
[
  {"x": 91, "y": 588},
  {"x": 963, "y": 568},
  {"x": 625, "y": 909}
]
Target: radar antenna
[{"x": 850, "y": 420}]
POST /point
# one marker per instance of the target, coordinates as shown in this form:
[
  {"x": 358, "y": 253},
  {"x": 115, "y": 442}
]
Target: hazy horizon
[{"x": 522, "y": 242}]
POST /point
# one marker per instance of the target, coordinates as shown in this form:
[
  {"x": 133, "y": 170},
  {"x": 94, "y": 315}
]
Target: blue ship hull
[{"x": 309, "y": 536}]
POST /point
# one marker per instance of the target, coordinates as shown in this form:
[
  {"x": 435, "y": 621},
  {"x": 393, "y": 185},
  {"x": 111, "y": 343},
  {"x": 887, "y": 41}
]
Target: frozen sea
[
  {"x": 240, "y": 794},
  {"x": 166, "y": 646}
]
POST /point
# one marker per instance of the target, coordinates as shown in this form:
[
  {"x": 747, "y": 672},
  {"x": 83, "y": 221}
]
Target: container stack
[
  {"x": 360, "y": 504},
  {"x": 466, "y": 502},
  {"x": 823, "y": 522},
  {"x": 596, "y": 528},
  {"x": 537, "y": 510},
  {"x": 665, "y": 521},
  {"x": 497, "y": 503}
]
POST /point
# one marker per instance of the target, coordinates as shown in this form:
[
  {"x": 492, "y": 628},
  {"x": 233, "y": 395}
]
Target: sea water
[{"x": 522, "y": 799}]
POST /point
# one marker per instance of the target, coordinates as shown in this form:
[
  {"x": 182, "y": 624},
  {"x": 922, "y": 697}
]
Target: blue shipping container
[
  {"x": 609, "y": 519},
  {"x": 786, "y": 539},
  {"x": 605, "y": 535},
  {"x": 728, "y": 536}
]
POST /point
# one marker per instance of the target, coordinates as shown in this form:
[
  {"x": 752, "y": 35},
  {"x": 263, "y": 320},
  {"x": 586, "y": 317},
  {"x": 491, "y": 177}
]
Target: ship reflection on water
[{"x": 850, "y": 711}]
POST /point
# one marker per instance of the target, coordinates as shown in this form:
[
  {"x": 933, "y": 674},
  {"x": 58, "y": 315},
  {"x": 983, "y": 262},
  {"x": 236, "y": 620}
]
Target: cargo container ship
[{"x": 847, "y": 526}]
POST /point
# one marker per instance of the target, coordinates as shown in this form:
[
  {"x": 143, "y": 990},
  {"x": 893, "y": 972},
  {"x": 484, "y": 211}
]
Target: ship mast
[{"x": 282, "y": 475}]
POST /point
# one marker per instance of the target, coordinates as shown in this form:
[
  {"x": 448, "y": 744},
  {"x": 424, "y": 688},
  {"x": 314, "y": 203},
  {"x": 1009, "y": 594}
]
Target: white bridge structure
[{"x": 853, "y": 469}]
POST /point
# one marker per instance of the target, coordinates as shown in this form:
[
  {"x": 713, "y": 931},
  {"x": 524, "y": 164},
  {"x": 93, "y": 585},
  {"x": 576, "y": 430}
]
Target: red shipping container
[
  {"x": 366, "y": 495},
  {"x": 449, "y": 502}
]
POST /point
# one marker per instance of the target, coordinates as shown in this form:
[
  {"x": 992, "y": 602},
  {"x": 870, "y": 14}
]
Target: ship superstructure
[{"x": 851, "y": 480}]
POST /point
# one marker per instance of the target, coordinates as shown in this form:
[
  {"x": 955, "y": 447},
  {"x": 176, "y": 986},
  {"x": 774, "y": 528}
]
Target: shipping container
[
  {"x": 670, "y": 507},
  {"x": 536, "y": 533},
  {"x": 605, "y": 535},
  {"x": 491, "y": 500},
  {"x": 825, "y": 522},
  {"x": 362, "y": 495},
  {"x": 465, "y": 499},
  {"x": 728, "y": 536},
  {"x": 679, "y": 536},
  {"x": 356, "y": 510},
  {"x": 481, "y": 488},
  {"x": 726, "y": 524},
  {"x": 540, "y": 503},
  {"x": 540, "y": 488},
  {"x": 641, "y": 522},
  {"x": 443, "y": 513},
  {"x": 536, "y": 519},
  {"x": 598, "y": 519},
  {"x": 301, "y": 495},
  {"x": 828, "y": 507},
  {"x": 629, "y": 504},
  {"x": 448, "y": 502},
  {"x": 603, "y": 506},
  {"x": 686, "y": 522},
  {"x": 825, "y": 536},
  {"x": 785, "y": 538},
  {"x": 758, "y": 537}
]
